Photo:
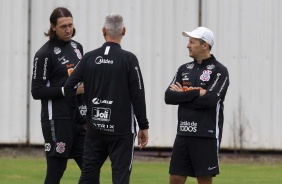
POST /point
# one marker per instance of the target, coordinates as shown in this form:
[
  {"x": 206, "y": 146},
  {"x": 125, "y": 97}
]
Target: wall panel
[
  {"x": 247, "y": 42},
  {"x": 153, "y": 34},
  {"x": 14, "y": 74}
]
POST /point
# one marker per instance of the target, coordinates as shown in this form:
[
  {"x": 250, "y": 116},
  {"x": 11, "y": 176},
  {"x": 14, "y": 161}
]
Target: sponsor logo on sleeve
[
  {"x": 139, "y": 79},
  {"x": 35, "y": 68},
  {"x": 218, "y": 94},
  {"x": 215, "y": 82},
  {"x": 45, "y": 69}
]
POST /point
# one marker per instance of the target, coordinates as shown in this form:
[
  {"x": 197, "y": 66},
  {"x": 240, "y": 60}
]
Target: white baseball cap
[{"x": 201, "y": 33}]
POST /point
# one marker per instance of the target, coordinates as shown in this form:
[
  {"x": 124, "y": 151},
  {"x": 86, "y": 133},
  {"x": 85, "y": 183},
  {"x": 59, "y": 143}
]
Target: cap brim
[
  {"x": 189, "y": 34},
  {"x": 185, "y": 34}
]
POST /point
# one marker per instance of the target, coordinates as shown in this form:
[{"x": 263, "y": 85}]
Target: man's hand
[
  {"x": 203, "y": 92},
  {"x": 185, "y": 88},
  {"x": 176, "y": 87},
  {"x": 179, "y": 88},
  {"x": 84, "y": 126},
  {"x": 143, "y": 138},
  {"x": 80, "y": 89}
]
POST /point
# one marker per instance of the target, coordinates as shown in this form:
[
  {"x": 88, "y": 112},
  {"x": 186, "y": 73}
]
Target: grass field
[{"x": 32, "y": 171}]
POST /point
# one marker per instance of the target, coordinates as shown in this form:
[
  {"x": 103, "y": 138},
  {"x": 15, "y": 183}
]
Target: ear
[
  {"x": 104, "y": 31},
  {"x": 206, "y": 45},
  {"x": 123, "y": 31},
  {"x": 53, "y": 27}
]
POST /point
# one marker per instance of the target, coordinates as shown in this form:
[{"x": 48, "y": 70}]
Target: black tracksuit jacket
[
  {"x": 53, "y": 63},
  {"x": 113, "y": 89},
  {"x": 200, "y": 116}
]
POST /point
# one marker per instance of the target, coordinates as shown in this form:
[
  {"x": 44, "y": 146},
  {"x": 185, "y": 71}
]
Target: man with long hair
[{"x": 53, "y": 64}]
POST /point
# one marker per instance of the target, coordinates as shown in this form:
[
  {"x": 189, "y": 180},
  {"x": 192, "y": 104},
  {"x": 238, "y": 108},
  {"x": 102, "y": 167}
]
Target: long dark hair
[{"x": 57, "y": 13}]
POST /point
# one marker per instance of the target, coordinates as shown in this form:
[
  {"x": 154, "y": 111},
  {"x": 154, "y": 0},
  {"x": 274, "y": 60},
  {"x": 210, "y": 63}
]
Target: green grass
[{"x": 32, "y": 171}]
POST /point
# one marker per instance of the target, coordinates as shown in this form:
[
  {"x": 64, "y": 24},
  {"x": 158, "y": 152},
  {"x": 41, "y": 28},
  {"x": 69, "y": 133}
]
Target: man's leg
[
  {"x": 78, "y": 145},
  {"x": 121, "y": 155},
  {"x": 55, "y": 169},
  {"x": 177, "y": 179},
  {"x": 180, "y": 163},
  {"x": 94, "y": 156},
  {"x": 79, "y": 161},
  {"x": 204, "y": 179}
]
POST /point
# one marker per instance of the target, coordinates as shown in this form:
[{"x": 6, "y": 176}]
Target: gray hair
[{"x": 114, "y": 25}]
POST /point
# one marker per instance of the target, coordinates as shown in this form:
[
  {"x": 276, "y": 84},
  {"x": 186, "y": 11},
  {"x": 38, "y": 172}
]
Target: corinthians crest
[
  {"x": 206, "y": 75},
  {"x": 60, "y": 147}
]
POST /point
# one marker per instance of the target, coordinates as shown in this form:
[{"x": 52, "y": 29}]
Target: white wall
[
  {"x": 14, "y": 71},
  {"x": 153, "y": 33},
  {"x": 248, "y": 39},
  {"x": 247, "y": 42}
]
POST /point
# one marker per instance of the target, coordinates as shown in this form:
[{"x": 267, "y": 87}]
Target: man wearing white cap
[{"x": 199, "y": 88}]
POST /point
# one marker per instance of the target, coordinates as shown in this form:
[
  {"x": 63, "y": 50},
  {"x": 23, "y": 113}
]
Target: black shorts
[
  {"x": 63, "y": 138},
  {"x": 194, "y": 156},
  {"x": 98, "y": 147}
]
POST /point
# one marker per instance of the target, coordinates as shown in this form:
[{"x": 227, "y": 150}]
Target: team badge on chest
[
  {"x": 57, "y": 50},
  {"x": 206, "y": 75}
]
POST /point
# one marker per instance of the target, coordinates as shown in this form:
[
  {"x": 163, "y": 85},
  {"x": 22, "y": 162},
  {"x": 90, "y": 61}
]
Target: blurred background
[{"x": 247, "y": 41}]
